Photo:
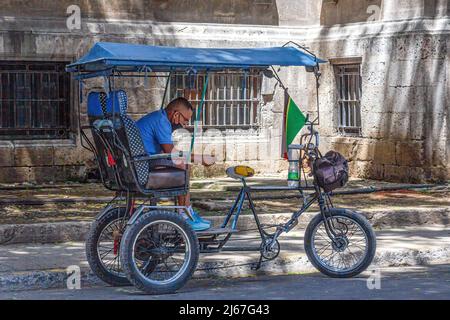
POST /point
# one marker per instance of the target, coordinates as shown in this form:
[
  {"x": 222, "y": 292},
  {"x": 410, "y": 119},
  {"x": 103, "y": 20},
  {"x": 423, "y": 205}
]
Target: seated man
[{"x": 156, "y": 130}]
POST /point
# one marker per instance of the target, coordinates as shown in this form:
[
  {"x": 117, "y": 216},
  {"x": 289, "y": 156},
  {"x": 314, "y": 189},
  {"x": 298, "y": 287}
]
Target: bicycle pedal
[{"x": 256, "y": 266}]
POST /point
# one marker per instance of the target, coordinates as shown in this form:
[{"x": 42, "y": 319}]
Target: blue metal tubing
[
  {"x": 239, "y": 209},
  {"x": 233, "y": 208}
]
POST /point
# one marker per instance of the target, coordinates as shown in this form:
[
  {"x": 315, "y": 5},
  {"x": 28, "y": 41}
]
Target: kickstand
[{"x": 256, "y": 266}]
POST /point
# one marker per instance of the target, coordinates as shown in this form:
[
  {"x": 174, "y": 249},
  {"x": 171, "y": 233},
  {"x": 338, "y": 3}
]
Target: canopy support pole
[
  {"x": 80, "y": 126},
  {"x": 277, "y": 77},
  {"x": 112, "y": 87},
  {"x": 198, "y": 116},
  {"x": 317, "y": 74},
  {"x": 165, "y": 90}
]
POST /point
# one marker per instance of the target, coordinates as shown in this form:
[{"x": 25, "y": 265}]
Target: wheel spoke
[
  {"x": 106, "y": 245},
  {"x": 111, "y": 262},
  {"x": 324, "y": 248},
  {"x": 105, "y": 253},
  {"x": 339, "y": 256}
]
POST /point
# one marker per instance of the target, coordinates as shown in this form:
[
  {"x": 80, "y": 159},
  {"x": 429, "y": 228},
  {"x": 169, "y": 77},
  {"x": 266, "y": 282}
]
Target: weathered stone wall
[
  {"x": 337, "y": 12},
  {"x": 257, "y": 12},
  {"x": 405, "y": 106},
  {"x": 405, "y": 70}
]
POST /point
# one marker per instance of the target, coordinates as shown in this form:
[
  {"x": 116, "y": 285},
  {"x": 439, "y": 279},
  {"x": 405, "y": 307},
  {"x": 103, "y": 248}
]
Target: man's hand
[
  {"x": 208, "y": 160},
  {"x": 205, "y": 160}
]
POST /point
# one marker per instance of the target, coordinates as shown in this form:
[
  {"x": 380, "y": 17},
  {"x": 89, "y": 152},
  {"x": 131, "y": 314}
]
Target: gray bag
[{"x": 331, "y": 171}]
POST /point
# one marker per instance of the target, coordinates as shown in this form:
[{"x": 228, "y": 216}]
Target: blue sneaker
[
  {"x": 198, "y": 225},
  {"x": 197, "y": 217}
]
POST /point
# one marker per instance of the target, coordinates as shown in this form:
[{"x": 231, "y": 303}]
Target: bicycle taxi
[{"x": 135, "y": 240}]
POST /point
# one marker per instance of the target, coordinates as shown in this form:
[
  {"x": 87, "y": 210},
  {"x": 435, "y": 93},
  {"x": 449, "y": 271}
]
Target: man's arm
[
  {"x": 167, "y": 148},
  {"x": 206, "y": 160}
]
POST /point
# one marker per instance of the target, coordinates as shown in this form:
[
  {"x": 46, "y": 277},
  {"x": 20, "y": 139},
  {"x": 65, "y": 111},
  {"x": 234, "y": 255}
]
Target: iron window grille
[
  {"x": 348, "y": 78},
  {"x": 34, "y": 100},
  {"x": 231, "y": 101}
]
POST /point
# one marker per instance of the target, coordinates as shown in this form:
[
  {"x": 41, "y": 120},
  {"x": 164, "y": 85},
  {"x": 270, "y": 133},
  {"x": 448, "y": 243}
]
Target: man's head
[{"x": 179, "y": 112}]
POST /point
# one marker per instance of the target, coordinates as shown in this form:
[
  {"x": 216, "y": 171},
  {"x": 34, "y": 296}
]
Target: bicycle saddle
[{"x": 240, "y": 172}]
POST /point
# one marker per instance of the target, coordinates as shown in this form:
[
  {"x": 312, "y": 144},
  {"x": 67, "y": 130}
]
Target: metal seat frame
[{"x": 117, "y": 166}]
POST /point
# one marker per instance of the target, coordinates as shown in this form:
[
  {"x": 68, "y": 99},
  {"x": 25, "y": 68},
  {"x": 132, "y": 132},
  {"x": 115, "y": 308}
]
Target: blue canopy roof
[{"x": 135, "y": 57}]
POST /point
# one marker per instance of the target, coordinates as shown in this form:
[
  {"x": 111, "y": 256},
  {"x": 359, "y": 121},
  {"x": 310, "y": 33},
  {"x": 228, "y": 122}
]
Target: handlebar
[
  {"x": 310, "y": 145},
  {"x": 314, "y": 133}
]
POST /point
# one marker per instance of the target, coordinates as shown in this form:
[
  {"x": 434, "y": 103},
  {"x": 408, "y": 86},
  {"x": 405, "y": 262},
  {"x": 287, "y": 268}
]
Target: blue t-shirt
[{"x": 156, "y": 130}]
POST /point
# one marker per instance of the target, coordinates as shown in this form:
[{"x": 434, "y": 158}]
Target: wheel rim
[
  {"x": 108, "y": 247},
  {"x": 347, "y": 253},
  {"x": 161, "y": 252}
]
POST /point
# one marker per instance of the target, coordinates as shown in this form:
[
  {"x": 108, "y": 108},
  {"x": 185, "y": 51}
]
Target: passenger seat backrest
[
  {"x": 115, "y": 104},
  {"x": 135, "y": 143},
  {"x": 97, "y": 106}
]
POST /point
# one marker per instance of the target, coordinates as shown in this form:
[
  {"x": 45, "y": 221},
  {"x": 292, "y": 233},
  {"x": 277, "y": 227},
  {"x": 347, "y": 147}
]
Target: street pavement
[{"x": 404, "y": 283}]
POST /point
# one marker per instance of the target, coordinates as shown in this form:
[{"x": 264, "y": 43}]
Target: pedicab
[{"x": 135, "y": 240}]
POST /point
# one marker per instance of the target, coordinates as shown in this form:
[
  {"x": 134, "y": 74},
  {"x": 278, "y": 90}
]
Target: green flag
[{"x": 294, "y": 121}]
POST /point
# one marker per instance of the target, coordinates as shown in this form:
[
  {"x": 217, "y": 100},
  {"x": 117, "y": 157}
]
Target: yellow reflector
[{"x": 244, "y": 171}]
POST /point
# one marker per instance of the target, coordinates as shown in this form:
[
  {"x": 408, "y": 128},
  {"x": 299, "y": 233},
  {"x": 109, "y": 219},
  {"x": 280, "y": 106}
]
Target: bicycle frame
[{"x": 245, "y": 193}]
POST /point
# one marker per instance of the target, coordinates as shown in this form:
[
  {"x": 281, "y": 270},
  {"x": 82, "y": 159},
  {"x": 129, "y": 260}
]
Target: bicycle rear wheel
[
  {"x": 102, "y": 247},
  {"x": 159, "y": 252}
]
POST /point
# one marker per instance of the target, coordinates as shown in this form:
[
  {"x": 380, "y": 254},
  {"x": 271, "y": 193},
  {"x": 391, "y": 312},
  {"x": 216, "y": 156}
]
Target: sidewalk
[{"x": 41, "y": 266}]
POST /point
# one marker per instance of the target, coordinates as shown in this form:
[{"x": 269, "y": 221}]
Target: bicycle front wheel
[{"x": 352, "y": 249}]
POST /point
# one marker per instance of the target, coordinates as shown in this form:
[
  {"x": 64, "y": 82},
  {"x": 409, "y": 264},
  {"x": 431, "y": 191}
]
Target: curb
[
  {"x": 44, "y": 232},
  {"x": 53, "y": 279},
  {"x": 300, "y": 264},
  {"x": 47, "y": 279},
  {"x": 77, "y": 231}
]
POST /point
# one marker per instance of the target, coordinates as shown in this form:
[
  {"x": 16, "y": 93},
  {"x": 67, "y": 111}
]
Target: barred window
[
  {"x": 34, "y": 100},
  {"x": 348, "y": 78},
  {"x": 232, "y": 98}
]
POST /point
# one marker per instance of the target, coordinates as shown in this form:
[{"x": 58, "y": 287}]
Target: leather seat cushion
[{"x": 166, "y": 178}]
